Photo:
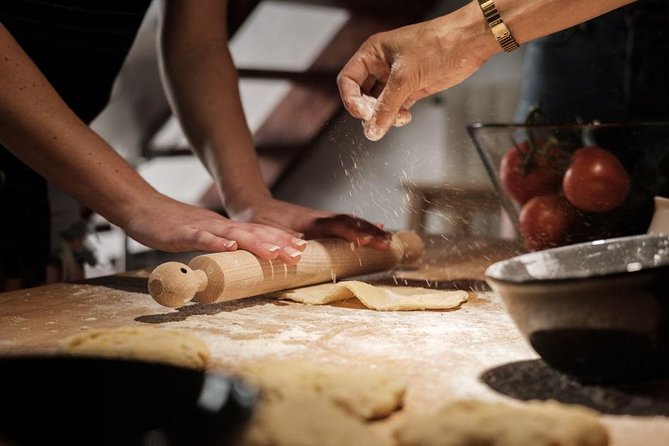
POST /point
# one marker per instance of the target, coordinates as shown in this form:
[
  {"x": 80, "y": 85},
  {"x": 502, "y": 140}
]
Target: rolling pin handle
[
  {"x": 407, "y": 245},
  {"x": 174, "y": 284}
]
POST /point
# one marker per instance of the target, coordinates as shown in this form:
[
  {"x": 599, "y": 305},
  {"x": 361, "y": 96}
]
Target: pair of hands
[
  {"x": 271, "y": 229},
  {"x": 388, "y": 74}
]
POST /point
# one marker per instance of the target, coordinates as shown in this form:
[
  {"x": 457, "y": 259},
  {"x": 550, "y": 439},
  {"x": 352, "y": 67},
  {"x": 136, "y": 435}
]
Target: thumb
[{"x": 395, "y": 93}]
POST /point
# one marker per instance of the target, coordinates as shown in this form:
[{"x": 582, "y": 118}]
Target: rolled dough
[
  {"x": 362, "y": 392},
  {"x": 141, "y": 343},
  {"x": 377, "y": 297},
  {"x": 306, "y": 421},
  {"x": 474, "y": 423}
]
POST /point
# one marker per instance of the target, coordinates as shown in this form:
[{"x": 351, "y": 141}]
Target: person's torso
[{"x": 79, "y": 45}]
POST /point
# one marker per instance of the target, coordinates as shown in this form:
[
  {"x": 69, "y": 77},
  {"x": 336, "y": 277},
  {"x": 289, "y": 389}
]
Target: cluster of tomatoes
[{"x": 554, "y": 187}]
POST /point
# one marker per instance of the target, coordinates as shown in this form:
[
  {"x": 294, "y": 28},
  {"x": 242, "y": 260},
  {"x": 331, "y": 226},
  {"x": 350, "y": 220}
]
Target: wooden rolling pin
[{"x": 233, "y": 275}]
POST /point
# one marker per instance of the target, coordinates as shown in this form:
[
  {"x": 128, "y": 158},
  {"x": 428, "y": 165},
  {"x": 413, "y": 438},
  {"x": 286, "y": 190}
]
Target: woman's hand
[
  {"x": 310, "y": 223},
  {"x": 169, "y": 225},
  {"x": 410, "y": 63}
]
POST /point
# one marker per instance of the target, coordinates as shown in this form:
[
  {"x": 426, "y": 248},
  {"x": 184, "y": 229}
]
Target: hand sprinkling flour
[{"x": 367, "y": 106}]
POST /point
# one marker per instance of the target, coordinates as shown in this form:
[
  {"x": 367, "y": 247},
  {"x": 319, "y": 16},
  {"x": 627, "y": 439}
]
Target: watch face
[
  {"x": 497, "y": 26},
  {"x": 500, "y": 31}
]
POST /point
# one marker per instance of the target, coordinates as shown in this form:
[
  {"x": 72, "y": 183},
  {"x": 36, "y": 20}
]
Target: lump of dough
[
  {"x": 306, "y": 421},
  {"x": 473, "y": 423},
  {"x": 384, "y": 298},
  {"x": 140, "y": 343},
  {"x": 363, "y": 392}
]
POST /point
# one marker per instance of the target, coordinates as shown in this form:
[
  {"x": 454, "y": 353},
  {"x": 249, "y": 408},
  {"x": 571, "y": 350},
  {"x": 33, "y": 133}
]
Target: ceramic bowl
[{"x": 597, "y": 310}]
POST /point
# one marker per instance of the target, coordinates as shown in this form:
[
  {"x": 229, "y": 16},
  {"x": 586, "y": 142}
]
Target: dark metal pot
[
  {"x": 72, "y": 400},
  {"x": 597, "y": 310}
]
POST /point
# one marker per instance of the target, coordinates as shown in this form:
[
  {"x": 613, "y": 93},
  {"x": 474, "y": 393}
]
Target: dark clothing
[
  {"x": 611, "y": 69},
  {"x": 80, "y": 46}
]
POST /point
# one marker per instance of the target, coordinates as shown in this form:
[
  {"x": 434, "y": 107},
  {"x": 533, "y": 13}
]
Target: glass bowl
[{"x": 566, "y": 184}]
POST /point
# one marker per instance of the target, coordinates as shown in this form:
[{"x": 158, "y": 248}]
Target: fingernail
[
  {"x": 292, "y": 252},
  {"x": 372, "y": 131},
  {"x": 364, "y": 240},
  {"x": 270, "y": 247},
  {"x": 299, "y": 242},
  {"x": 229, "y": 244},
  {"x": 402, "y": 119}
]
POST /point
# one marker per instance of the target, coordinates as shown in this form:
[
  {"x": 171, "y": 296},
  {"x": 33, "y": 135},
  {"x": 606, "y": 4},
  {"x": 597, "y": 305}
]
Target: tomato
[
  {"x": 525, "y": 182},
  {"x": 544, "y": 220},
  {"x": 595, "y": 181}
]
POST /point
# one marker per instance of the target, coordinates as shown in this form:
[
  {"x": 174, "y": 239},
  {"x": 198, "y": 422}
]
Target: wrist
[
  {"x": 467, "y": 29},
  {"x": 239, "y": 200},
  {"x": 127, "y": 205}
]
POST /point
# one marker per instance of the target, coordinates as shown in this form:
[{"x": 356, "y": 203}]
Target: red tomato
[
  {"x": 595, "y": 181},
  {"x": 544, "y": 221},
  {"x": 523, "y": 183}
]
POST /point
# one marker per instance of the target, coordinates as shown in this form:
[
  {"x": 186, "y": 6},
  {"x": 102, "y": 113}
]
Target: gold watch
[{"x": 497, "y": 26}]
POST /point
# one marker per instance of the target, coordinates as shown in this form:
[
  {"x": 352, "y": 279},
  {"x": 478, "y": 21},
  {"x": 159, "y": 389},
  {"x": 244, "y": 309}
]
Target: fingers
[
  {"x": 360, "y": 74},
  {"x": 366, "y": 71},
  {"x": 367, "y": 106},
  {"x": 353, "y": 229},
  {"x": 265, "y": 242},
  {"x": 396, "y": 93},
  {"x": 199, "y": 240}
]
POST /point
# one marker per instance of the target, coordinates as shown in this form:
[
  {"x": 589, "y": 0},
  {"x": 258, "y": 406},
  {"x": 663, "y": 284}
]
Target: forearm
[
  {"x": 39, "y": 128},
  {"x": 527, "y": 20},
  {"x": 202, "y": 85}
]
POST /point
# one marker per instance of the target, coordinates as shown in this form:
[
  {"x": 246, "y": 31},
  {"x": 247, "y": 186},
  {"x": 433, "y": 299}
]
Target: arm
[
  {"x": 39, "y": 128},
  {"x": 202, "y": 86},
  {"x": 419, "y": 60}
]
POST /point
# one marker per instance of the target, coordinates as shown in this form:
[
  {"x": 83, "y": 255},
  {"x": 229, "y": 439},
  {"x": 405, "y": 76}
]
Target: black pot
[{"x": 70, "y": 400}]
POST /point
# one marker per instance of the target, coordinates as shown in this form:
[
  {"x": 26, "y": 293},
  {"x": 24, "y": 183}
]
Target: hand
[
  {"x": 406, "y": 65},
  {"x": 310, "y": 223},
  {"x": 169, "y": 225}
]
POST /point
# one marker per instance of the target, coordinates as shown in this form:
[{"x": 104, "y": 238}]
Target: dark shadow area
[
  {"x": 536, "y": 380},
  {"x": 457, "y": 284},
  {"x": 183, "y": 313},
  {"x": 82, "y": 401},
  {"x": 123, "y": 283}
]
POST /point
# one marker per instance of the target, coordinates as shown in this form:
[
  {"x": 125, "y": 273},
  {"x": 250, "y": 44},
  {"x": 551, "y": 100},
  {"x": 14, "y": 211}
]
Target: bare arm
[
  {"x": 202, "y": 85},
  {"x": 419, "y": 60},
  {"x": 39, "y": 128}
]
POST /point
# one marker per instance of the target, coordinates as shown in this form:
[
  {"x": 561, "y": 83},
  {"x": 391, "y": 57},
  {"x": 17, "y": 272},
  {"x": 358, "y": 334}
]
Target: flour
[{"x": 367, "y": 106}]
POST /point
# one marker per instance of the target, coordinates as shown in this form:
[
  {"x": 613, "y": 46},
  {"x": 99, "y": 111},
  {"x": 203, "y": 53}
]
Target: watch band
[{"x": 497, "y": 26}]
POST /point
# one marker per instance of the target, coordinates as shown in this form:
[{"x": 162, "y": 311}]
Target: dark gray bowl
[{"x": 596, "y": 310}]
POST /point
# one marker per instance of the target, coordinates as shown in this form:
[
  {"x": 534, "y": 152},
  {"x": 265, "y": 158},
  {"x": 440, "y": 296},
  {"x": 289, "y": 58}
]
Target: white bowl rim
[{"x": 532, "y": 267}]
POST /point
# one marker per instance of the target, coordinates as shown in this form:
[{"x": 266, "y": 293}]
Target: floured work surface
[{"x": 440, "y": 354}]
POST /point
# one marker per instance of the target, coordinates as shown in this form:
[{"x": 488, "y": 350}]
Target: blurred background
[{"x": 425, "y": 176}]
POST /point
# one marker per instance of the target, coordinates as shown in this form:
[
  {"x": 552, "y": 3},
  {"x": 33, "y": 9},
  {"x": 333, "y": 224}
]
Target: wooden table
[{"x": 441, "y": 354}]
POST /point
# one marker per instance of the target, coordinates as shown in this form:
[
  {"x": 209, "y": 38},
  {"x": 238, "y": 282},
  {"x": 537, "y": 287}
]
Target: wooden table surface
[{"x": 440, "y": 353}]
